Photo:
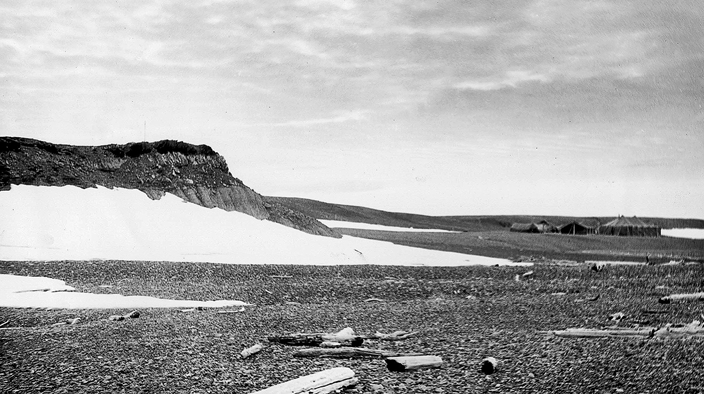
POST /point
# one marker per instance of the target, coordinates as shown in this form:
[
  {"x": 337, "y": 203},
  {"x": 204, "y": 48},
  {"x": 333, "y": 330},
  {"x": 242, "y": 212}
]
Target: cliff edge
[{"x": 196, "y": 173}]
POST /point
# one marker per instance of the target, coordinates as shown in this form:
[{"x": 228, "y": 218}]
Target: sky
[{"x": 446, "y": 108}]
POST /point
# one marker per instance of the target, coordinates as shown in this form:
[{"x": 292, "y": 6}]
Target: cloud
[
  {"x": 510, "y": 79},
  {"x": 347, "y": 116}
]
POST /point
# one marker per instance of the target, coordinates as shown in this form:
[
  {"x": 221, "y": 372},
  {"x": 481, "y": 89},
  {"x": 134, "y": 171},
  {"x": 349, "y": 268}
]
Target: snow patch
[
  {"x": 692, "y": 233},
  {"x": 367, "y": 226},
  {"x": 69, "y": 223},
  {"x": 588, "y": 262},
  {"x": 40, "y": 292}
]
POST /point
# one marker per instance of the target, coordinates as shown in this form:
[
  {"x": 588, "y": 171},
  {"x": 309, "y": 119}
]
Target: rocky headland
[{"x": 195, "y": 173}]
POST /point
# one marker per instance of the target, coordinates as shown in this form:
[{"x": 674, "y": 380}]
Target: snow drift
[
  {"x": 69, "y": 223},
  {"x": 40, "y": 292}
]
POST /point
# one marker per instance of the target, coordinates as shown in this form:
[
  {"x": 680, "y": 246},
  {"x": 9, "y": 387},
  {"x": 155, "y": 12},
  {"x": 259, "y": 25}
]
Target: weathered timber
[
  {"x": 594, "y": 333},
  {"x": 349, "y": 352},
  {"x": 251, "y": 350},
  {"x": 411, "y": 363},
  {"x": 318, "y": 383},
  {"x": 693, "y": 329},
  {"x": 394, "y": 336},
  {"x": 345, "y": 337},
  {"x": 682, "y": 297},
  {"x": 131, "y": 315}
]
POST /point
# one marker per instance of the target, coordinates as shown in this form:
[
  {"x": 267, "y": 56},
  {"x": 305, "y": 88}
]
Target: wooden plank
[
  {"x": 411, "y": 363},
  {"x": 318, "y": 383},
  {"x": 693, "y": 329},
  {"x": 593, "y": 333},
  {"x": 349, "y": 352},
  {"x": 344, "y": 337},
  {"x": 251, "y": 350},
  {"x": 682, "y": 297},
  {"x": 394, "y": 336}
]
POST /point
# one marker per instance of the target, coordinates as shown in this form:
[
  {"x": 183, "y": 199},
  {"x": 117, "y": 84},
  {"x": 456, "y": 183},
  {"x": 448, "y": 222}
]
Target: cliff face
[{"x": 195, "y": 173}]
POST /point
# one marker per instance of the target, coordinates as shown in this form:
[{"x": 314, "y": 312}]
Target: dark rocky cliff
[{"x": 196, "y": 173}]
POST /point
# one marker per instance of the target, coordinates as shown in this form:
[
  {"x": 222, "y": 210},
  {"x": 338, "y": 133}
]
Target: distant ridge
[
  {"x": 351, "y": 213},
  {"x": 196, "y": 173}
]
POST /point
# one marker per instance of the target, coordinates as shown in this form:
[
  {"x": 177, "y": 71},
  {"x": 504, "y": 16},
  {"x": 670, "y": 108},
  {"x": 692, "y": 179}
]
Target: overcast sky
[{"x": 443, "y": 107}]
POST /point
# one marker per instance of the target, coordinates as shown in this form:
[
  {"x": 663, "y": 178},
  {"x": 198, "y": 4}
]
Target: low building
[
  {"x": 542, "y": 226},
  {"x": 524, "y": 228},
  {"x": 630, "y": 227},
  {"x": 576, "y": 228}
]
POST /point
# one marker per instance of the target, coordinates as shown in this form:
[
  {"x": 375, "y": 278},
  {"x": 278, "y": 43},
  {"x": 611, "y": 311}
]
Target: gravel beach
[{"x": 462, "y": 314}]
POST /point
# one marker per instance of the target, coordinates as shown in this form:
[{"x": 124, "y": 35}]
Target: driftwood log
[
  {"x": 251, "y": 350},
  {"x": 394, "y": 336},
  {"x": 349, "y": 352},
  {"x": 318, "y": 383},
  {"x": 411, "y": 363},
  {"x": 693, "y": 329},
  {"x": 682, "y": 297},
  {"x": 595, "y": 333},
  {"x": 345, "y": 337},
  {"x": 131, "y": 315}
]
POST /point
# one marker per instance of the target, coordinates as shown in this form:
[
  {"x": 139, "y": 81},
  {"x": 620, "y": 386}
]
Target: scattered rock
[
  {"x": 490, "y": 365},
  {"x": 618, "y": 316}
]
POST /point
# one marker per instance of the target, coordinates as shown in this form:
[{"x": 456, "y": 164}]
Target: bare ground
[{"x": 463, "y": 315}]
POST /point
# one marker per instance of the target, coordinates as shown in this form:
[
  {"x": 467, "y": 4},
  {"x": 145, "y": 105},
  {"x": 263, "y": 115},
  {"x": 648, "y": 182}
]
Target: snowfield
[
  {"x": 39, "y": 292},
  {"x": 380, "y": 227},
  {"x": 691, "y": 233},
  {"x": 69, "y": 223}
]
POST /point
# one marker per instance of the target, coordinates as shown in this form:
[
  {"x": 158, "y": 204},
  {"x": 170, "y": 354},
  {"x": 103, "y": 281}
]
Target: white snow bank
[
  {"x": 367, "y": 226},
  {"x": 692, "y": 233},
  {"x": 613, "y": 262},
  {"x": 69, "y": 223},
  {"x": 39, "y": 292}
]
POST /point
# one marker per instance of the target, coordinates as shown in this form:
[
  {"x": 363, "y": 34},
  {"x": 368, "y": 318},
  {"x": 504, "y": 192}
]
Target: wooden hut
[
  {"x": 524, "y": 228},
  {"x": 630, "y": 227},
  {"x": 576, "y": 228},
  {"x": 544, "y": 226}
]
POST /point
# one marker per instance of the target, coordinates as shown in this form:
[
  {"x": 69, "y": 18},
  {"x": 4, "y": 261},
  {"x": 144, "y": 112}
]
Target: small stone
[
  {"x": 490, "y": 365},
  {"x": 133, "y": 315},
  {"x": 116, "y": 318}
]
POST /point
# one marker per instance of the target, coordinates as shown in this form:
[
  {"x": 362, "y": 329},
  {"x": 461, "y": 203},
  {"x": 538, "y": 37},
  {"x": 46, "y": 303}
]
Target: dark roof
[
  {"x": 627, "y": 222},
  {"x": 575, "y": 224},
  {"x": 523, "y": 227}
]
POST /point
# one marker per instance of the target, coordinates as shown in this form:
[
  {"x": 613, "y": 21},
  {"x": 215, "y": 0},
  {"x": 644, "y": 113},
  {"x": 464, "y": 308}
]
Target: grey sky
[{"x": 564, "y": 107}]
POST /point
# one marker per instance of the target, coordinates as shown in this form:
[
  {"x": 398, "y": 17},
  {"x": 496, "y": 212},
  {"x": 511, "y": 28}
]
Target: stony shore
[{"x": 462, "y": 314}]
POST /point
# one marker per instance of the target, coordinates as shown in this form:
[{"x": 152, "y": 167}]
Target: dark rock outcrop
[{"x": 196, "y": 173}]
